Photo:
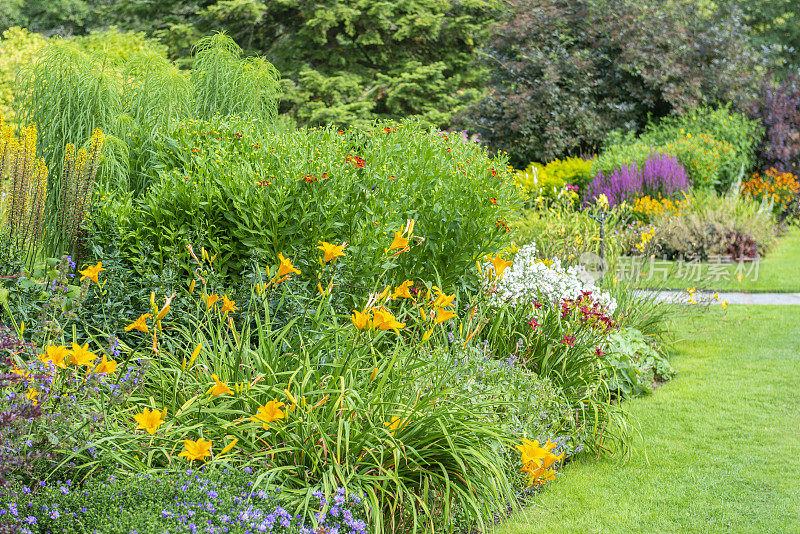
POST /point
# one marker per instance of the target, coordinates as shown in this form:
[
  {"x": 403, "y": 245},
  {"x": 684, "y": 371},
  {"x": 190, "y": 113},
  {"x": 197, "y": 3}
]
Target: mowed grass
[
  {"x": 778, "y": 272},
  {"x": 719, "y": 449}
]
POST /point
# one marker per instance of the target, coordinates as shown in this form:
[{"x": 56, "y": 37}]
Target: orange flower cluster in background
[{"x": 781, "y": 187}]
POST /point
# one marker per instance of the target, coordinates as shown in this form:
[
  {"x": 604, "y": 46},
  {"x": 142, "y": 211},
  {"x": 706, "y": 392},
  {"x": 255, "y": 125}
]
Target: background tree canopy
[{"x": 538, "y": 78}]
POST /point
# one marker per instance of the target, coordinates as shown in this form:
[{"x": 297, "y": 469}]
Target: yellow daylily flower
[
  {"x": 402, "y": 291},
  {"x": 139, "y": 324},
  {"x": 196, "y": 450},
  {"x": 443, "y": 316},
  {"x": 219, "y": 388},
  {"x": 92, "y": 272},
  {"x": 150, "y": 421},
  {"x": 106, "y": 366},
  {"x": 360, "y": 320},
  {"x": 286, "y": 267},
  {"x": 81, "y": 355},
  {"x": 270, "y": 412},
  {"x": 499, "y": 264},
  {"x": 228, "y": 305},
  {"x": 384, "y": 320},
  {"x": 331, "y": 251},
  {"x": 56, "y": 355},
  {"x": 210, "y": 300}
]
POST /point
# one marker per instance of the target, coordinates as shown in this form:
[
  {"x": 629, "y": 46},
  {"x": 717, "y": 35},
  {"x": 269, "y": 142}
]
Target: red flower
[
  {"x": 264, "y": 182},
  {"x": 388, "y": 130},
  {"x": 237, "y": 134},
  {"x": 493, "y": 200},
  {"x": 534, "y": 323},
  {"x": 568, "y": 340},
  {"x": 494, "y": 172},
  {"x": 309, "y": 178},
  {"x": 195, "y": 150},
  {"x": 598, "y": 352},
  {"x": 324, "y": 175}
]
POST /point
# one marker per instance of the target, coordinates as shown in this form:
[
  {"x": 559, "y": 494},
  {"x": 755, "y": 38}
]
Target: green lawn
[
  {"x": 720, "y": 445},
  {"x": 779, "y": 272}
]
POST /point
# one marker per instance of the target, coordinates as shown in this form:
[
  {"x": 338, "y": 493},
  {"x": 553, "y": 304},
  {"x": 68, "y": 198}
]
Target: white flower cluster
[{"x": 528, "y": 278}]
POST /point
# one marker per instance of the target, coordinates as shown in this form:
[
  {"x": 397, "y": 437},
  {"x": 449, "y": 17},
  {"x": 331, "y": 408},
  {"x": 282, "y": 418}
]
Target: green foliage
[
  {"x": 135, "y": 95},
  {"x": 17, "y": 48},
  {"x": 636, "y": 364},
  {"x": 565, "y": 74},
  {"x": 574, "y": 171},
  {"x": 740, "y": 137},
  {"x": 250, "y": 198}
]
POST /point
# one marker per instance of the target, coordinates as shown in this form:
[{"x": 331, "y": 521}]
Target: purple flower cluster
[
  {"x": 195, "y": 501},
  {"x": 661, "y": 176}
]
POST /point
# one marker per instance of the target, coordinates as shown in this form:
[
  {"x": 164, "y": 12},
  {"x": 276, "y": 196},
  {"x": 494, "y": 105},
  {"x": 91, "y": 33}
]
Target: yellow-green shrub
[{"x": 18, "y": 46}]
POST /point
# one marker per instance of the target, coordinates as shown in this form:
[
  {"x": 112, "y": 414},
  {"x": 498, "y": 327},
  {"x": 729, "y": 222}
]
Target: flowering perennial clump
[{"x": 529, "y": 277}]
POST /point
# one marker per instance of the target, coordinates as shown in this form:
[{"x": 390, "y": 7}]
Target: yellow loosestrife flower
[
  {"x": 92, "y": 272},
  {"x": 196, "y": 450},
  {"x": 270, "y": 412},
  {"x": 331, "y": 251},
  {"x": 150, "y": 421},
  {"x": 139, "y": 324}
]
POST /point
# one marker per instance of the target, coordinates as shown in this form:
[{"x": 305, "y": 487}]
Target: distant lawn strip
[
  {"x": 720, "y": 448},
  {"x": 779, "y": 272}
]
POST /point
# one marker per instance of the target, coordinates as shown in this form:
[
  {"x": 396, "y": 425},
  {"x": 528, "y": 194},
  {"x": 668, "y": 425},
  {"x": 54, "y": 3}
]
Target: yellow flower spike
[
  {"x": 150, "y": 421},
  {"x": 196, "y": 450},
  {"x": 92, "y": 273},
  {"x": 229, "y": 446},
  {"x": 219, "y": 387},
  {"x": 139, "y": 324}
]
